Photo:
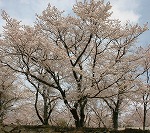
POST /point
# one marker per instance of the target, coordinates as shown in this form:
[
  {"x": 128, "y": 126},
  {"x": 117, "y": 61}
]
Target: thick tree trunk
[
  {"x": 76, "y": 117},
  {"x": 115, "y": 120},
  {"x": 80, "y": 104},
  {"x": 45, "y": 116},
  {"x": 115, "y": 112},
  {"x": 144, "y": 117},
  {"x": 79, "y": 118},
  {"x": 82, "y": 115},
  {"x": 1, "y": 118}
]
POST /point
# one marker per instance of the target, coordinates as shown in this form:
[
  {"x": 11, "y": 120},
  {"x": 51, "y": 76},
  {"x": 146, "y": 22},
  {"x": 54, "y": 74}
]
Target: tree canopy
[{"x": 79, "y": 57}]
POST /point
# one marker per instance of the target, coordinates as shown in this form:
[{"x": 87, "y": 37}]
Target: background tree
[
  {"x": 99, "y": 114},
  {"x": 139, "y": 99},
  {"x": 45, "y": 101},
  {"x": 9, "y": 93},
  {"x": 124, "y": 88},
  {"x": 23, "y": 112},
  {"x": 146, "y": 93},
  {"x": 143, "y": 95}
]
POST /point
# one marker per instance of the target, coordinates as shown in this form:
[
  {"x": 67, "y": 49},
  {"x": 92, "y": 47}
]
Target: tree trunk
[
  {"x": 1, "y": 118},
  {"x": 82, "y": 115},
  {"x": 115, "y": 120},
  {"x": 45, "y": 116},
  {"x": 144, "y": 117},
  {"x": 75, "y": 116},
  {"x": 80, "y": 104},
  {"x": 79, "y": 118},
  {"x": 146, "y": 98},
  {"x": 46, "y": 113},
  {"x": 1, "y": 111},
  {"x": 36, "y": 108}
]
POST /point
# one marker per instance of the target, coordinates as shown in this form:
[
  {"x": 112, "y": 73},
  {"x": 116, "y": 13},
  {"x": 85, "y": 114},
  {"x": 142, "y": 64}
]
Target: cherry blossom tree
[
  {"x": 45, "y": 101},
  {"x": 124, "y": 89},
  {"x": 146, "y": 93},
  {"x": 99, "y": 114},
  {"x": 80, "y": 55},
  {"x": 144, "y": 86},
  {"x": 8, "y": 92},
  {"x": 139, "y": 99}
]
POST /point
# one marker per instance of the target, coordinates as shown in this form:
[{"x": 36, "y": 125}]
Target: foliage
[
  {"x": 76, "y": 58},
  {"x": 8, "y": 92}
]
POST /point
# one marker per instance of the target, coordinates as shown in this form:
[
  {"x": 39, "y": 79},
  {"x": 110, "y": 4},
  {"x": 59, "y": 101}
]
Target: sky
[{"x": 135, "y": 11}]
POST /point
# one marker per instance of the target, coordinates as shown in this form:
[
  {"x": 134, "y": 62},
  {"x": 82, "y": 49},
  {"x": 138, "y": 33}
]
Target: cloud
[
  {"x": 62, "y": 5},
  {"x": 126, "y": 10},
  {"x": 25, "y": 1},
  {"x": 25, "y": 10}
]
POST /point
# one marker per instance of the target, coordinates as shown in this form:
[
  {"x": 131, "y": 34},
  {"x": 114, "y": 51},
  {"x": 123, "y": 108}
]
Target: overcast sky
[{"x": 136, "y": 11}]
